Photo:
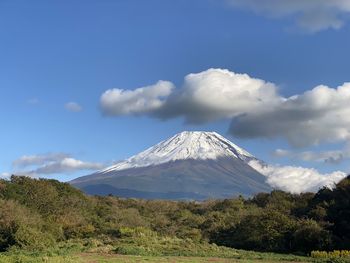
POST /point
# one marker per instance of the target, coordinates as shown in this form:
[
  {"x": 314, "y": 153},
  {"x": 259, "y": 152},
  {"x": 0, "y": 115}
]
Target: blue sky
[{"x": 56, "y": 52}]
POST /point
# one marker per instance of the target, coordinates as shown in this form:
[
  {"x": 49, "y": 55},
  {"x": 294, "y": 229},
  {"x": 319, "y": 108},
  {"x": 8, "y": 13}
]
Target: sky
[{"x": 87, "y": 83}]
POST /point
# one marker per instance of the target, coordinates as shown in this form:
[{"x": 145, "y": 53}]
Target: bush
[
  {"x": 309, "y": 235},
  {"x": 335, "y": 256},
  {"x": 22, "y": 228},
  {"x": 142, "y": 241},
  {"x": 330, "y": 254}
]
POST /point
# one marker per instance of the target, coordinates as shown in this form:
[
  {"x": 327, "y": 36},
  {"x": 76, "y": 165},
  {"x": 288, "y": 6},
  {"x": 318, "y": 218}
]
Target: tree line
[{"x": 38, "y": 213}]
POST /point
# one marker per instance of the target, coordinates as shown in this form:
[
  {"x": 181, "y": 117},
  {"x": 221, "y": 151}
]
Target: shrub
[
  {"x": 330, "y": 254},
  {"x": 22, "y": 228},
  {"x": 309, "y": 235}
]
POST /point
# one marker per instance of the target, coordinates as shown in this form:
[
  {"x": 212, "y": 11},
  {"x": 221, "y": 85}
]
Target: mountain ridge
[{"x": 184, "y": 145}]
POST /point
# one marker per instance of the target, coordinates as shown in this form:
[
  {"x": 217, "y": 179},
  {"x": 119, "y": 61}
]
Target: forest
[{"x": 36, "y": 214}]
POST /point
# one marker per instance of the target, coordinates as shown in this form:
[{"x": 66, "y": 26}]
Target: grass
[
  {"x": 109, "y": 258},
  {"x": 99, "y": 255},
  {"x": 100, "y": 258},
  {"x": 142, "y": 245},
  {"x": 8, "y": 258}
]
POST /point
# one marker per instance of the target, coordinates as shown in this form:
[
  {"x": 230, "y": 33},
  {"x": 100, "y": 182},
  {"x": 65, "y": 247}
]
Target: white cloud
[
  {"x": 29, "y": 160},
  {"x": 5, "y": 175},
  {"x": 333, "y": 157},
  {"x": 320, "y": 115},
  {"x": 209, "y": 95},
  {"x": 52, "y": 163},
  {"x": 216, "y": 94},
  {"x": 132, "y": 102},
  {"x": 311, "y": 15},
  {"x": 296, "y": 179},
  {"x": 66, "y": 165},
  {"x": 317, "y": 116},
  {"x": 73, "y": 107}
]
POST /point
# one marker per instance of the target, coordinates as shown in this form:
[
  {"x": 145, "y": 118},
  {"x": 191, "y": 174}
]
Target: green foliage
[
  {"x": 41, "y": 215},
  {"x": 309, "y": 235},
  {"x": 22, "y": 228},
  {"x": 331, "y": 254},
  {"x": 143, "y": 241},
  {"x": 335, "y": 256},
  {"x": 267, "y": 230}
]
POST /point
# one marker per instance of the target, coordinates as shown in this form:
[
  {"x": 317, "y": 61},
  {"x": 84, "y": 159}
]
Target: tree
[
  {"x": 267, "y": 230},
  {"x": 309, "y": 235}
]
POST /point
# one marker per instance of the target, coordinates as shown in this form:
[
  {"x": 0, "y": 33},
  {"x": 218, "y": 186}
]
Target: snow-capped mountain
[
  {"x": 189, "y": 165},
  {"x": 185, "y": 145}
]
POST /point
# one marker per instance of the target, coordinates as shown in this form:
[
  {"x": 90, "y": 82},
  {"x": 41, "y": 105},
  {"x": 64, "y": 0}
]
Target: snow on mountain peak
[{"x": 185, "y": 145}]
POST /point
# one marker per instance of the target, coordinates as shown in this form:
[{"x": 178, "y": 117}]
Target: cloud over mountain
[
  {"x": 317, "y": 116},
  {"x": 218, "y": 94},
  {"x": 206, "y": 96},
  {"x": 254, "y": 106}
]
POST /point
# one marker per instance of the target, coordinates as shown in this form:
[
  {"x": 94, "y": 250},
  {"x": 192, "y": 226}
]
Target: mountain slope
[
  {"x": 189, "y": 165},
  {"x": 182, "y": 146}
]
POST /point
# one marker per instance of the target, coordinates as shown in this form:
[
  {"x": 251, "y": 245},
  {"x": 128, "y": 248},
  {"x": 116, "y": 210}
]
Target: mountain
[{"x": 189, "y": 165}]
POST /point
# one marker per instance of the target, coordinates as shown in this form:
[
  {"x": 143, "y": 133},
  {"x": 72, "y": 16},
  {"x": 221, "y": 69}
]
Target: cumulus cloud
[
  {"x": 312, "y": 16},
  {"x": 73, "y": 107},
  {"x": 209, "y": 95},
  {"x": 133, "y": 102},
  {"x": 216, "y": 94},
  {"x": 296, "y": 179},
  {"x": 52, "y": 163},
  {"x": 318, "y": 115}
]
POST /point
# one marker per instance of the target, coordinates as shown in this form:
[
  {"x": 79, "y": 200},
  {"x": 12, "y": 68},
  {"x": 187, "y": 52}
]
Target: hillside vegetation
[{"x": 40, "y": 215}]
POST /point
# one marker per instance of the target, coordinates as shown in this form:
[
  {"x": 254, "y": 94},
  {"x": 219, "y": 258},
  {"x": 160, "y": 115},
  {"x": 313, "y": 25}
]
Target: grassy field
[
  {"x": 242, "y": 257},
  {"x": 143, "y": 246},
  {"x": 131, "y": 259}
]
